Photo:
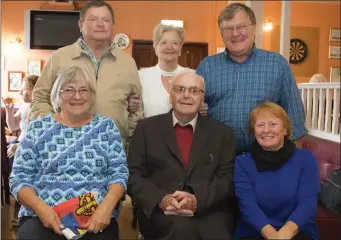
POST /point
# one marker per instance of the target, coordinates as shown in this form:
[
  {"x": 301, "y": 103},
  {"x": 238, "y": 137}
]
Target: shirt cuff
[
  {"x": 296, "y": 219},
  {"x": 261, "y": 222},
  {"x": 15, "y": 191},
  {"x": 121, "y": 182}
]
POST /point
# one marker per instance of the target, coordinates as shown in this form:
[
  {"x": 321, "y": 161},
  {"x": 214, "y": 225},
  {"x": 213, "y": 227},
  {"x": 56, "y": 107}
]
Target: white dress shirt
[{"x": 193, "y": 122}]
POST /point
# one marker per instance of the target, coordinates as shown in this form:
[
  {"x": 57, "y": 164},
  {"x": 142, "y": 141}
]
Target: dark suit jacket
[{"x": 156, "y": 169}]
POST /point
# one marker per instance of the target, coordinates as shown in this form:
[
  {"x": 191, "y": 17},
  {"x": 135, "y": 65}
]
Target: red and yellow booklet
[{"x": 75, "y": 213}]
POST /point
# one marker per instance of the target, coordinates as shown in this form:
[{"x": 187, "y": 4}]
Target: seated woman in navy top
[{"x": 277, "y": 184}]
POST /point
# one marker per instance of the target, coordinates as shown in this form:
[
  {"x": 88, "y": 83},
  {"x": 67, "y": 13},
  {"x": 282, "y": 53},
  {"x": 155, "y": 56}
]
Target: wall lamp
[
  {"x": 15, "y": 46},
  {"x": 267, "y": 26}
]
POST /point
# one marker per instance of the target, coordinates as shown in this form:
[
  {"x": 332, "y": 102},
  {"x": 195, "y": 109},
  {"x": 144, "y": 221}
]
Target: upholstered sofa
[{"x": 328, "y": 157}]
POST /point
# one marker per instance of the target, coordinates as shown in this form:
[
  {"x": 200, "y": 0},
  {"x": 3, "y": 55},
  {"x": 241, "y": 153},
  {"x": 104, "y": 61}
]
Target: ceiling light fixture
[{"x": 174, "y": 23}]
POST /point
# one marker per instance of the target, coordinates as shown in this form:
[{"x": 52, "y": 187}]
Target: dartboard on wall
[{"x": 298, "y": 51}]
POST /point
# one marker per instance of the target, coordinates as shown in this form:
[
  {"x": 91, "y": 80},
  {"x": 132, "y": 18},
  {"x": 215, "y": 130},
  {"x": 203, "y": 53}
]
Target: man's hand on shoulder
[{"x": 203, "y": 109}]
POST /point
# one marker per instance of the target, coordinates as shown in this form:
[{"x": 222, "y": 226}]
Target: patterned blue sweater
[{"x": 60, "y": 162}]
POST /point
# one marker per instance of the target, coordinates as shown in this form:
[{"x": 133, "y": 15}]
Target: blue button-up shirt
[{"x": 233, "y": 89}]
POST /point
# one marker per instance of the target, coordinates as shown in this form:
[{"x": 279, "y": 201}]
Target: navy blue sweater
[{"x": 275, "y": 197}]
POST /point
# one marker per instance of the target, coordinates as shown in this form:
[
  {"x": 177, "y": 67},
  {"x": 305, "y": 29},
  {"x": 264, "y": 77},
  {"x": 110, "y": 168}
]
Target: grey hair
[
  {"x": 96, "y": 4},
  {"x": 231, "y": 10},
  {"x": 72, "y": 74},
  {"x": 183, "y": 74},
  {"x": 160, "y": 29}
]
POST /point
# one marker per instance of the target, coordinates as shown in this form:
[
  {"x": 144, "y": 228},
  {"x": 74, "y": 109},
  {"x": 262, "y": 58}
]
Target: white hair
[
  {"x": 72, "y": 74},
  {"x": 316, "y": 78},
  {"x": 185, "y": 73}
]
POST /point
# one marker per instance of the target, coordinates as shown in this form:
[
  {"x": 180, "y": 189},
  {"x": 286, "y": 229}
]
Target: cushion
[
  {"x": 326, "y": 152},
  {"x": 323, "y": 212}
]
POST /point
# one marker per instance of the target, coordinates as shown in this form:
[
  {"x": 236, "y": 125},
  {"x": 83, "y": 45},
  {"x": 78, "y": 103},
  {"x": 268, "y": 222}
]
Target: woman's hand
[
  {"x": 285, "y": 233},
  {"x": 49, "y": 217},
  {"x": 288, "y": 231},
  {"x": 11, "y": 149},
  {"x": 100, "y": 219},
  {"x": 269, "y": 232},
  {"x": 203, "y": 109}
]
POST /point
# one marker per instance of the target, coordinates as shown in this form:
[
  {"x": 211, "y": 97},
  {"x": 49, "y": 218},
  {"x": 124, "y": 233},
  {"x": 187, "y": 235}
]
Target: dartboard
[{"x": 298, "y": 50}]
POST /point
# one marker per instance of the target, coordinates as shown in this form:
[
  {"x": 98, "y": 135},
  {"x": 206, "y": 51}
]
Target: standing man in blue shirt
[{"x": 244, "y": 76}]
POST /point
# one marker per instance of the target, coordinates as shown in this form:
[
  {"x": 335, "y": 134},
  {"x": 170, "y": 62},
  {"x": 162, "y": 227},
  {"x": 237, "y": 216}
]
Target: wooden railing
[{"x": 322, "y": 107}]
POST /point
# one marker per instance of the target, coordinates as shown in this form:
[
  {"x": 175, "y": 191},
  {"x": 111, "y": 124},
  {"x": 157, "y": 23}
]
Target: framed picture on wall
[
  {"x": 14, "y": 81},
  {"x": 334, "y": 52},
  {"x": 334, "y": 74},
  {"x": 334, "y": 35},
  {"x": 33, "y": 67}
]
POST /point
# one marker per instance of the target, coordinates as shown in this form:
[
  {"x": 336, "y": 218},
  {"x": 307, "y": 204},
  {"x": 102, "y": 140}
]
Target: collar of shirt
[
  {"x": 193, "y": 122},
  {"x": 168, "y": 74},
  {"x": 85, "y": 49},
  {"x": 254, "y": 50}
]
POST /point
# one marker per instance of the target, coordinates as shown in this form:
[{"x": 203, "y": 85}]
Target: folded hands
[{"x": 179, "y": 203}]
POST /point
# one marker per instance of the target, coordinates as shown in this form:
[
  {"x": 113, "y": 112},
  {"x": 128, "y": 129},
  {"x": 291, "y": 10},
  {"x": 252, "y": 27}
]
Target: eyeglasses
[
  {"x": 96, "y": 19},
  {"x": 192, "y": 90},
  {"x": 70, "y": 92},
  {"x": 240, "y": 28}
]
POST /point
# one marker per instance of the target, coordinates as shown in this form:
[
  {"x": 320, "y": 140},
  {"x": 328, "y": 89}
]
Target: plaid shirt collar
[
  {"x": 253, "y": 52},
  {"x": 86, "y": 49}
]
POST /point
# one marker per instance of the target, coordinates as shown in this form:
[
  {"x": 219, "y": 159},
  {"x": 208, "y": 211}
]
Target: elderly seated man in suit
[{"x": 181, "y": 166}]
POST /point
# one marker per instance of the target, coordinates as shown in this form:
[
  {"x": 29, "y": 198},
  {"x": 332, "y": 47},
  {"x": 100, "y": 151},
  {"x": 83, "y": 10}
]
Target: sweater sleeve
[
  {"x": 249, "y": 209},
  {"x": 117, "y": 164},
  {"x": 25, "y": 165},
  {"x": 309, "y": 188}
]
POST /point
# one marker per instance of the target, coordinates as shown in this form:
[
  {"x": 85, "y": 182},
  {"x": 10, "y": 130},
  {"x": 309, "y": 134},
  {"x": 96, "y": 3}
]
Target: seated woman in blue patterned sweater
[
  {"x": 277, "y": 184},
  {"x": 64, "y": 155}
]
